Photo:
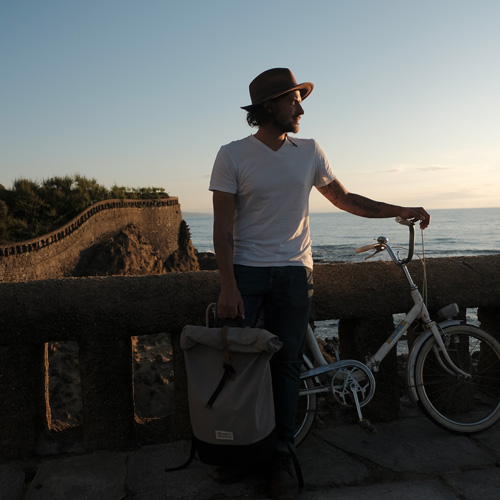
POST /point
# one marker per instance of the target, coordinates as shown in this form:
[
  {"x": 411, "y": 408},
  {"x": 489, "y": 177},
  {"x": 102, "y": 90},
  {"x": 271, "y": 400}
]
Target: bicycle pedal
[{"x": 367, "y": 426}]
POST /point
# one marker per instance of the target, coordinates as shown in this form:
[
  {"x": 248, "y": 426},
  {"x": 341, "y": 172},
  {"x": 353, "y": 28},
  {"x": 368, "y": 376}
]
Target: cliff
[{"x": 129, "y": 253}]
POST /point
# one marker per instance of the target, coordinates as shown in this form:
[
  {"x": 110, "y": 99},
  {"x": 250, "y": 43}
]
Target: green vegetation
[{"x": 31, "y": 209}]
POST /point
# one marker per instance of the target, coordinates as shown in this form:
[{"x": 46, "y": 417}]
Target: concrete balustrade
[{"x": 102, "y": 314}]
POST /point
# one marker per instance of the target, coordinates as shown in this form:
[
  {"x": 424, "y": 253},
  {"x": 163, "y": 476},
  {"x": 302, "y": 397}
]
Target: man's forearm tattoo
[
  {"x": 353, "y": 201},
  {"x": 367, "y": 205},
  {"x": 330, "y": 193}
]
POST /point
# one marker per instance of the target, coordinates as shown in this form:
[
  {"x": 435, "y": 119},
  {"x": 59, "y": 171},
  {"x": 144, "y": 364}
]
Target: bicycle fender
[
  {"x": 451, "y": 322},
  {"x": 412, "y": 356},
  {"x": 410, "y": 365}
]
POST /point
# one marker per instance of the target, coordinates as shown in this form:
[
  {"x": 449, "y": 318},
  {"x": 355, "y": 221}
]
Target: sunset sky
[{"x": 143, "y": 93}]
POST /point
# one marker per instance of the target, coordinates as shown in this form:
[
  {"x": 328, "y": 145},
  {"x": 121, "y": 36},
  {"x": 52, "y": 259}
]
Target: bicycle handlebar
[
  {"x": 411, "y": 239},
  {"x": 382, "y": 245},
  {"x": 403, "y": 221}
]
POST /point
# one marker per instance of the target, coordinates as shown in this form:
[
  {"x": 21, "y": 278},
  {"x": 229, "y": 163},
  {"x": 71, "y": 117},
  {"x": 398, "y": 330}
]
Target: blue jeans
[{"x": 283, "y": 295}]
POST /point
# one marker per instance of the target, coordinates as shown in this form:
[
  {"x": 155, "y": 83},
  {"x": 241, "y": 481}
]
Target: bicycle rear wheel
[
  {"x": 306, "y": 409},
  {"x": 458, "y": 403}
]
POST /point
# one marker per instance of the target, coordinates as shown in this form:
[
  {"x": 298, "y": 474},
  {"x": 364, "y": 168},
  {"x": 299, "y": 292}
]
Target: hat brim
[{"x": 305, "y": 89}]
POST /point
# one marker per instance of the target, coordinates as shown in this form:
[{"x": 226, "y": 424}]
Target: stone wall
[
  {"x": 56, "y": 254},
  {"x": 102, "y": 314}
]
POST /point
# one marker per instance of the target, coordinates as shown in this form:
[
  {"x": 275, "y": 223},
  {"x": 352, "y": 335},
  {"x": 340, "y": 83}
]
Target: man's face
[{"x": 286, "y": 112}]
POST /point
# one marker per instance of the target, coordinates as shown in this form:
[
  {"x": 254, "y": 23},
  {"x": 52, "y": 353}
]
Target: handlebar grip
[
  {"x": 403, "y": 221},
  {"x": 365, "y": 248}
]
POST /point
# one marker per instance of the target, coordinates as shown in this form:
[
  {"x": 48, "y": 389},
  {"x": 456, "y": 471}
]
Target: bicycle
[{"x": 452, "y": 370}]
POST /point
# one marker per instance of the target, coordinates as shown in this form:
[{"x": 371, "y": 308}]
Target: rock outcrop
[
  {"x": 129, "y": 253},
  {"x": 183, "y": 259}
]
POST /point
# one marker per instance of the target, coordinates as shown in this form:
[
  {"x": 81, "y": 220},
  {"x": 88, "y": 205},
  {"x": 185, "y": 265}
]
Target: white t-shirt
[{"x": 272, "y": 188}]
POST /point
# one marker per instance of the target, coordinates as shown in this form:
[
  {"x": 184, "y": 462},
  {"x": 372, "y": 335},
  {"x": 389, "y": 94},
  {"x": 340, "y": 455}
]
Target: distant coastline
[{"x": 196, "y": 214}]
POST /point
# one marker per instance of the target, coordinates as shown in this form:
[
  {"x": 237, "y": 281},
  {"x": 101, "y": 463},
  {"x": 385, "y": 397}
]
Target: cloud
[
  {"x": 394, "y": 170},
  {"x": 406, "y": 167},
  {"x": 433, "y": 168}
]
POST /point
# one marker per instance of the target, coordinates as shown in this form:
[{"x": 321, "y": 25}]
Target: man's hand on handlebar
[{"x": 415, "y": 214}]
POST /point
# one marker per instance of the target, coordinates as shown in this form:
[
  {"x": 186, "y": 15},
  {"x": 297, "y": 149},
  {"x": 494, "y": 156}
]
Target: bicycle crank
[{"x": 353, "y": 385}]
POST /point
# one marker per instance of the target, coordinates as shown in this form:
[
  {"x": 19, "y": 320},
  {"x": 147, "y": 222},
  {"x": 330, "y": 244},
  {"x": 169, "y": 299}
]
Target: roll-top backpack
[{"x": 230, "y": 393}]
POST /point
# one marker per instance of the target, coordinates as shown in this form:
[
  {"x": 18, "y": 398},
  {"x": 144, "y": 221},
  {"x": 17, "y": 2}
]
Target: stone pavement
[{"x": 406, "y": 459}]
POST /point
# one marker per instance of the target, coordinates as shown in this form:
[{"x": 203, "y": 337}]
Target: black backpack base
[
  {"x": 249, "y": 455},
  {"x": 222, "y": 454},
  {"x": 225, "y": 455}
]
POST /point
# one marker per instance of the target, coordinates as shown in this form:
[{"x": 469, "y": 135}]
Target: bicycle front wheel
[
  {"x": 306, "y": 409},
  {"x": 463, "y": 402}
]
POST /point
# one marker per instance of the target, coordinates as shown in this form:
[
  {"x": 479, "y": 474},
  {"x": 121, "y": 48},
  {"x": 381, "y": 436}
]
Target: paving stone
[
  {"x": 147, "y": 479},
  {"x": 11, "y": 481},
  {"x": 415, "y": 490},
  {"x": 490, "y": 439},
  {"x": 99, "y": 475},
  {"x": 474, "y": 484},
  {"x": 325, "y": 465},
  {"x": 410, "y": 445}
]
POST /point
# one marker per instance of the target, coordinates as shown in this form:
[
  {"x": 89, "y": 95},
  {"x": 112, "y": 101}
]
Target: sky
[{"x": 143, "y": 93}]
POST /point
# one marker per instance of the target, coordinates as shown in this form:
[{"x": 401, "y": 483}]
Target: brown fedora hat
[{"x": 273, "y": 83}]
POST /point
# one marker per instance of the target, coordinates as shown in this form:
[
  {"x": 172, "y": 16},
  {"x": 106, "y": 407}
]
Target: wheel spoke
[{"x": 458, "y": 403}]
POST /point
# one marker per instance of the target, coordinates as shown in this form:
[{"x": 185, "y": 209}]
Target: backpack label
[{"x": 224, "y": 435}]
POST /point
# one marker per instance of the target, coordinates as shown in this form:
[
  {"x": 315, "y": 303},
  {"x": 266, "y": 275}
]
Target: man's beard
[{"x": 291, "y": 125}]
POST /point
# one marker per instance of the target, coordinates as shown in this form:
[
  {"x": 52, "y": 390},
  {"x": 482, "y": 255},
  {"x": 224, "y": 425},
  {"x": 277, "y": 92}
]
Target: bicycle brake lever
[{"x": 378, "y": 249}]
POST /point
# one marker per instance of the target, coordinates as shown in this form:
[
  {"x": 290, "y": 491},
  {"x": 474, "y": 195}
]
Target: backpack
[{"x": 230, "y": 394}]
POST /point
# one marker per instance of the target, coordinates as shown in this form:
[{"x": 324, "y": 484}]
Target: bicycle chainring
[{"x": 353, "y": 377}]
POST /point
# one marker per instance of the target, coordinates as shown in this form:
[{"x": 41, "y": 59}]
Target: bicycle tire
[
  {"x": 458, "y": 404},
  {"x": 306, "y": 408}
]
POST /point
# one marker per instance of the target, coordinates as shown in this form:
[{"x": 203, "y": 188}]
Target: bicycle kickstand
[{"x": 364, "y": 423}]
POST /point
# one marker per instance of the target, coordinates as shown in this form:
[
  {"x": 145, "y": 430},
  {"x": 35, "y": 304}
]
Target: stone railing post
[
  {"x": 181, "y": 428},
  {"x": 360, "y": 337},
  {"x": 489, "y": 318},
  {"x": 24, "y": 405},
  {"x": 107, "y": 393}
]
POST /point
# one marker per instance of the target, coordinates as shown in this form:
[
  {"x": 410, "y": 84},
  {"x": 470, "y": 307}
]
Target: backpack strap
[
  {"x": 227, "y": 355},
  {"x": 192, "y": 455},
  {"x": 298, "y": 470},
  {"x": 229, "y": 372}
]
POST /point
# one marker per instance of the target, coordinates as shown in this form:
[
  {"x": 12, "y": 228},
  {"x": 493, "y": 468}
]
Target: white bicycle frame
[{"x": 320, "y": 366}]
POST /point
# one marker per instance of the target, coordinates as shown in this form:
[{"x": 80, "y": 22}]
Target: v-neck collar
[{"x": 267, "y": 148}]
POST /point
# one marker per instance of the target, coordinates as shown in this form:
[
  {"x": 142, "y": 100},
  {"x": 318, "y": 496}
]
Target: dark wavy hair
[{"x": 258, "y": 115}]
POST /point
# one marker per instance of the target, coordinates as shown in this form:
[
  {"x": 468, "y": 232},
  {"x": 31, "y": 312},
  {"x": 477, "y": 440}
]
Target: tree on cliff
[{"x": 31, "y": 209}]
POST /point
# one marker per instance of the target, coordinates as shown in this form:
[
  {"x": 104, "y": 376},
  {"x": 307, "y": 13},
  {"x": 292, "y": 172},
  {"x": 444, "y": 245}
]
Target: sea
[{"x": 336, "y": 235}]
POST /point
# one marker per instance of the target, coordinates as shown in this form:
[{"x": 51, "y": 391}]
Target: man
[{"x": 261, "y": 186}]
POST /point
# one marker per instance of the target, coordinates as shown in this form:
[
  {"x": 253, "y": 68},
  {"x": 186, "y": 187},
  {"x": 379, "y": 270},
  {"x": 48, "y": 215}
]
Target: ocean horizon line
[{"x": 337, "y": 211}]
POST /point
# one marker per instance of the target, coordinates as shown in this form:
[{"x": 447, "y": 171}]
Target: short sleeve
[
  {"x": 324, "y": 173},
  {"x": 224, "y": 177}
]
